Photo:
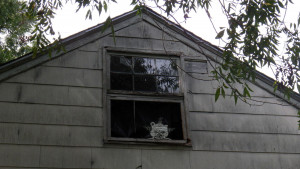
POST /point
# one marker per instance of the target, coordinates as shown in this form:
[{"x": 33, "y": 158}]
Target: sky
[{"x": 68, "y": 22}]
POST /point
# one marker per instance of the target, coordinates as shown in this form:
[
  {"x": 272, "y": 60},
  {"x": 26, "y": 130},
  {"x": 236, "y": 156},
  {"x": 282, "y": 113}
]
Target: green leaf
[
  {"x": 220, "y": 34},
  {"x": 223, "y": 92},
  {"x": 246, "y": 92},
  {"x": 113, "y": 34},
  {"x": 299, "y": 19},
  {"x": 235, "y": 98},
  {"x": 107, "y": 23},
  {"x": 105, "y": 6},
  {"x": 217, "y": 94}
]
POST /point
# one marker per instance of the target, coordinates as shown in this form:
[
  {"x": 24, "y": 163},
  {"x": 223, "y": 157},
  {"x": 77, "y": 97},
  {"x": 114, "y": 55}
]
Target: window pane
[
  {"x": 150, "y": 114},
  {"x": 121, "y": 63},
  {"x": 167, "y": 84},
  {"x": 166, "y": 67},
  {"x": 120, "y": 81},
  {"x": 145, "y": 83},
  {"x": 122, "y": 118},
  {"x": 144, "y": 65}
]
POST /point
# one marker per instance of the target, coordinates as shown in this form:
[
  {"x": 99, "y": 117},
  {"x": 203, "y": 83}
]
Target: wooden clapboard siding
[
  {"x": 248, "y": 123},
  {"x": 216, "y": 160},
  {"x": 258, "y": 105},
  {"x": 33, "y": 134},
  {"x": 50, "y": 114},
  {"x": 50, "y": 94},
  {"x": 61, "y": 76}
]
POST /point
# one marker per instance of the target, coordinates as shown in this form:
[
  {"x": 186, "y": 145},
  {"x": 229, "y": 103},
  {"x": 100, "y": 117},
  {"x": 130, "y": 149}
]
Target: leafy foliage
[{"x": 14, "y": 28}]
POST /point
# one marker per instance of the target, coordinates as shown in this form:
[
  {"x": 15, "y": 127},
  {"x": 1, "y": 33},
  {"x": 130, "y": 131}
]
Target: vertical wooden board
[
  {"x": 60, "y": 76},
  {"x": 65, "y": 157},
  {"x": 116, "y": 158},
  {"x": 244, "y": 123},
  {"x": 78, "y": 59},
  {"x": 162, "y": 159},
  {"x": 233, "y": 160},
  {"x": 50, "y": 114},
  {"x": 46, "y": 94},
  {"x": 19, "y": 155}
]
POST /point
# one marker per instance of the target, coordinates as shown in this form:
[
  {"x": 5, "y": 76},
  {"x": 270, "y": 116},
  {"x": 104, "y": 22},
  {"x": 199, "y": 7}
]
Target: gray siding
[{"x": 52, "y": 115}]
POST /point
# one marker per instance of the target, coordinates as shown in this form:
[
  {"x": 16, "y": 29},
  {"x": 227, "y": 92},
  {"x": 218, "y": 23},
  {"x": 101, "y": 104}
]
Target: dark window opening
[
  {"x": 146, "y": 120},
  {"x": 144, "y": 74}
]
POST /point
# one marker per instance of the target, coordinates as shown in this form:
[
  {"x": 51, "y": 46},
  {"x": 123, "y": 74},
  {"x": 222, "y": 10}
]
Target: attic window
[
  {"x": 145, "y": 100},
  {"x": 144, "y": 74}
]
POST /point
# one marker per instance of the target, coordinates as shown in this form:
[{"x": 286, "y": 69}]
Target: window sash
[
  {"x": 169, "y": 85},
  {"x": 146, "y": 98}
]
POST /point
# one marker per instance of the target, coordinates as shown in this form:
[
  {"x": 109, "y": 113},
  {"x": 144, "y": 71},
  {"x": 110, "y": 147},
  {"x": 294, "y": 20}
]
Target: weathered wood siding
[{"x": 51, "y": 116}]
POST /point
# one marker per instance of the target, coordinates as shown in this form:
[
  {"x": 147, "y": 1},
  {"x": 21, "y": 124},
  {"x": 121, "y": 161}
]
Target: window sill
[
  {"x": 132, "y": 141},
  {"x": 144, "y": 93}
]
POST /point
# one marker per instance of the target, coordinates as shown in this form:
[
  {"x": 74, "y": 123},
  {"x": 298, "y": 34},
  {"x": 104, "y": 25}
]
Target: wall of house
[{"x": 52, "y": 116}]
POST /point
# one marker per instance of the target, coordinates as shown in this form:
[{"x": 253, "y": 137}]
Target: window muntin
[{"x": 144, "y": 74}]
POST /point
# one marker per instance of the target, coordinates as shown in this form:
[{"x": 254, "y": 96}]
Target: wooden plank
[
  {"x": 245, "y": 142},
  {"x": 233, "y": 160},
  {"x": 161, "y": 159},
  {"x": 50, "y": 135},
  {"x": 144, "y": 30},
  {"x": 46, "y": 94},
  {"x": 146, "y": 44},
  {"x": 206, "y": 102},
  {"x": 116, "y": 158},
  {"x": 204, "y": 83},
  {"x": 79, "y": 58},
  {"x": 60, "y": 76},
  {"x": 244, "y": 123},
  {"x": 196, "y": 66},
  {"x": 65, "y": 157},
  {"x": 19, "y": 155},
  {"x": 50, "y": 114}
]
